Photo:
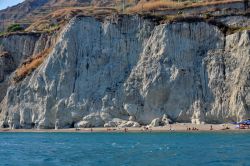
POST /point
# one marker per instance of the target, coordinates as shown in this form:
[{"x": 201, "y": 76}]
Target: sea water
[{"x": 125, "y": 149}]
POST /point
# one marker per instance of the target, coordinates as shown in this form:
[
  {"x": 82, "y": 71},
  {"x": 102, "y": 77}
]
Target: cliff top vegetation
[{"x": 51, "y": 16}]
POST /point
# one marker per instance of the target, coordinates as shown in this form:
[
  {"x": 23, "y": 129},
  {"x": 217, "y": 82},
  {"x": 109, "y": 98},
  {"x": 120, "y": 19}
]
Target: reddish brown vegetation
[{"x": 30, "y": 65}]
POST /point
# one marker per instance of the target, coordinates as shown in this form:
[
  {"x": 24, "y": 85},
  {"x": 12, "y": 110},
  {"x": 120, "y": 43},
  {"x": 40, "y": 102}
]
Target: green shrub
[{"x": 14, "y": 28}]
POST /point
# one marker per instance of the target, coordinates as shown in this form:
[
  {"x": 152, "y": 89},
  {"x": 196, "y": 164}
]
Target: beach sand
[{"x": 179, "y": 127}]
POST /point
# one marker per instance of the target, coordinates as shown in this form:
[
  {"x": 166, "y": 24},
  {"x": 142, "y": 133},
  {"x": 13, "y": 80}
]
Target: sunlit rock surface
[{"x": 128, "y": 71}]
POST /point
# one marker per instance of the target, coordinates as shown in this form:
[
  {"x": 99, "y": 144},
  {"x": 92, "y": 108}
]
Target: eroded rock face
[
  {"x": 129, "y": 69},
  {"x": 14, "y": 50}
]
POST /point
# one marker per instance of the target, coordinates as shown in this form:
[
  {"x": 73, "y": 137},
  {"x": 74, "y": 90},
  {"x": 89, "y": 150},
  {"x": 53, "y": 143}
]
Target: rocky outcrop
[
  {"x": 14, "y": 50},
  {"x": 155, "y": 122},
  {"x": 164, "y": 121},
  {"x": 127, "y": 71}
]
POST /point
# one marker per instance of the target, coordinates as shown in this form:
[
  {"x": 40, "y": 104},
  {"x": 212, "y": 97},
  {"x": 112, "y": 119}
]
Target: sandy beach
[{"x": 180, "y": 127}]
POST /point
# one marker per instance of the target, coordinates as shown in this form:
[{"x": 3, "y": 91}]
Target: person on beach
[
  {"x": 108, "y": 129},
  {"x": 211, "y": 127},
  {"x": 195, "y": 129},
  {"x": 125, "y": 130}
]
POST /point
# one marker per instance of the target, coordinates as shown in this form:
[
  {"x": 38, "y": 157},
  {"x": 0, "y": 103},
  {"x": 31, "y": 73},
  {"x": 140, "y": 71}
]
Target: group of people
[
  {"x": 146, "y": 128},
  {"x": 192, "y": 129},
  {"x": 78, "y": 129},
  {"x": 113, "y": 129}
]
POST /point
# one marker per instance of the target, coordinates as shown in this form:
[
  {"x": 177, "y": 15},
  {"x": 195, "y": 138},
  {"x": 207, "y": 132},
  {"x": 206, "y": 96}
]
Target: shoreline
[{"x": 180, "y": 127}]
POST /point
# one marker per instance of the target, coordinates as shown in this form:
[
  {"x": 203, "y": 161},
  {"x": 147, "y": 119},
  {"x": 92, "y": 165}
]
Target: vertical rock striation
[
  {"x": 14, "y": 50},
  {"x": 127, "y": 70}
]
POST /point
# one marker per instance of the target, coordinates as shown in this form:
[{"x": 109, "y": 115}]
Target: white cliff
[{"x": 127, "y": 71}]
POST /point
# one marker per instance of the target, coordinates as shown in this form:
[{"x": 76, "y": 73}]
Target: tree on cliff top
[{"x": 14, "y": 28}]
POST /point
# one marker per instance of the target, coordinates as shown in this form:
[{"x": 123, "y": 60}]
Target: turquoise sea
[{"x": 125, "y": 149}]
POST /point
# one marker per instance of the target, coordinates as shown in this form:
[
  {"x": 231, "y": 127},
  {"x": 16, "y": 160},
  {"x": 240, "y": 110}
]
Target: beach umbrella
[{"x": 247, "y": 122}]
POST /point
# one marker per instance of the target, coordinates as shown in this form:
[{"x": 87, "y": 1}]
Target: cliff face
[
  {"x": 128, "y": 71},
  {"x": 16, "y": 49}
]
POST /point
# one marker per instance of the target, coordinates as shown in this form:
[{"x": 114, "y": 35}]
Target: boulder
[
  {"x": 83, "y": 124},
  {"x": 110, "y": 124},
  {"x": 130, "y": 124},
  {"x": 92, "y": 120},
  {"x": 165, "y": 120},
  {"x": 155, "y": 122}
]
